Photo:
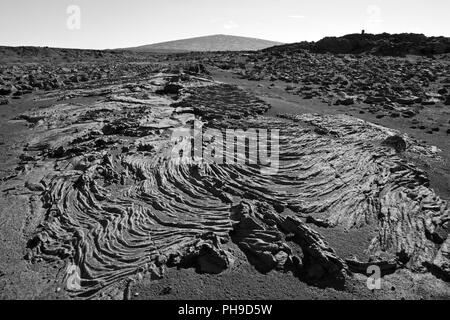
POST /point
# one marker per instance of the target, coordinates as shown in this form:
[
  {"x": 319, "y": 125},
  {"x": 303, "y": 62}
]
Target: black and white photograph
[{"x": 241, "y": 152}]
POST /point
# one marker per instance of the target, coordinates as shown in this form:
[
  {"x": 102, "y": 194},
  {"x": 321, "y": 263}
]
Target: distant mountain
[
  {"x": 383, "y": 44},
  {"x": 219, "y": 42}
]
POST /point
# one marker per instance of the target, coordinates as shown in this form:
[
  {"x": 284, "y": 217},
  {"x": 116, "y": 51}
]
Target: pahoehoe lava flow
[{"x": 117, "y": 204}]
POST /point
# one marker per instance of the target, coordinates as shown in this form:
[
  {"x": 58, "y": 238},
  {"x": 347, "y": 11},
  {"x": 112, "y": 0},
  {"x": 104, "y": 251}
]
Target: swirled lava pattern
[{"x": 117, "y": 204}]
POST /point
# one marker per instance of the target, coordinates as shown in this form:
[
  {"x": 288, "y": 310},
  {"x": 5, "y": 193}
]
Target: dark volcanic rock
[
  {"x": 378, "y": 44},
  {"x": 7, "y": 90},
  {"x": 345, "y": 101},
  {"x": 4, "y": 101},
  {"x": 170, "y": 88},
  {"x": 396, "y": 142},
  {"x": 447, "y": 101},
  {"x": 386, "y": 266}
]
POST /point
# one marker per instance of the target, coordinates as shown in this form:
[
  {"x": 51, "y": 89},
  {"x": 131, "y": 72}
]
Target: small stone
[
  {"x": 373, "y": 99},
  {"x": 166, "y": 291},
  {"x": 281, "y": 258},
  {"x": 396, "y": 142},
  {"x": 289, "y": 87},
  {"x": 430, "y": 102},
  {"x": 34, "y": 186},
  {"x": 447, "y": 101},
  {"x": 7, "y": 90},
  {"x": 440, "y": 235},
  {"x": 442, "y": 91},
  {"x": 408, "y": 100},
  {"x": 345, "y": 102}
]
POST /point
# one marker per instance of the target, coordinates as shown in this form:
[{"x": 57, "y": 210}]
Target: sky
[{"x": 103, "y": 24}]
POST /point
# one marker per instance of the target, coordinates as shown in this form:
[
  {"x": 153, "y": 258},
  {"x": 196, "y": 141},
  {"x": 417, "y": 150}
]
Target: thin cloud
[{"x": 230, "y": 25}]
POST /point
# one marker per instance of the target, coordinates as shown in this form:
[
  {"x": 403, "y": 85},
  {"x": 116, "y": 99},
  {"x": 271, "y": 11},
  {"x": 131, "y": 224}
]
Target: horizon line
[{"x": 201, "y": 36}]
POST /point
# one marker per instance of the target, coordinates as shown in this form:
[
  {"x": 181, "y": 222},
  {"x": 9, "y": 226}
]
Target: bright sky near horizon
[{"x": 104, "y": 24}]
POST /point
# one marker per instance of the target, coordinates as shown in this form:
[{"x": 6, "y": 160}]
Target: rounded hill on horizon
[{"x": 219, "y": 42}]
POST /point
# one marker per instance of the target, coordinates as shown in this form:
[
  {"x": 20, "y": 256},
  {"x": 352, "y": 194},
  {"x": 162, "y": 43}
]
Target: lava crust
[{"x": 118, "y": 203}]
